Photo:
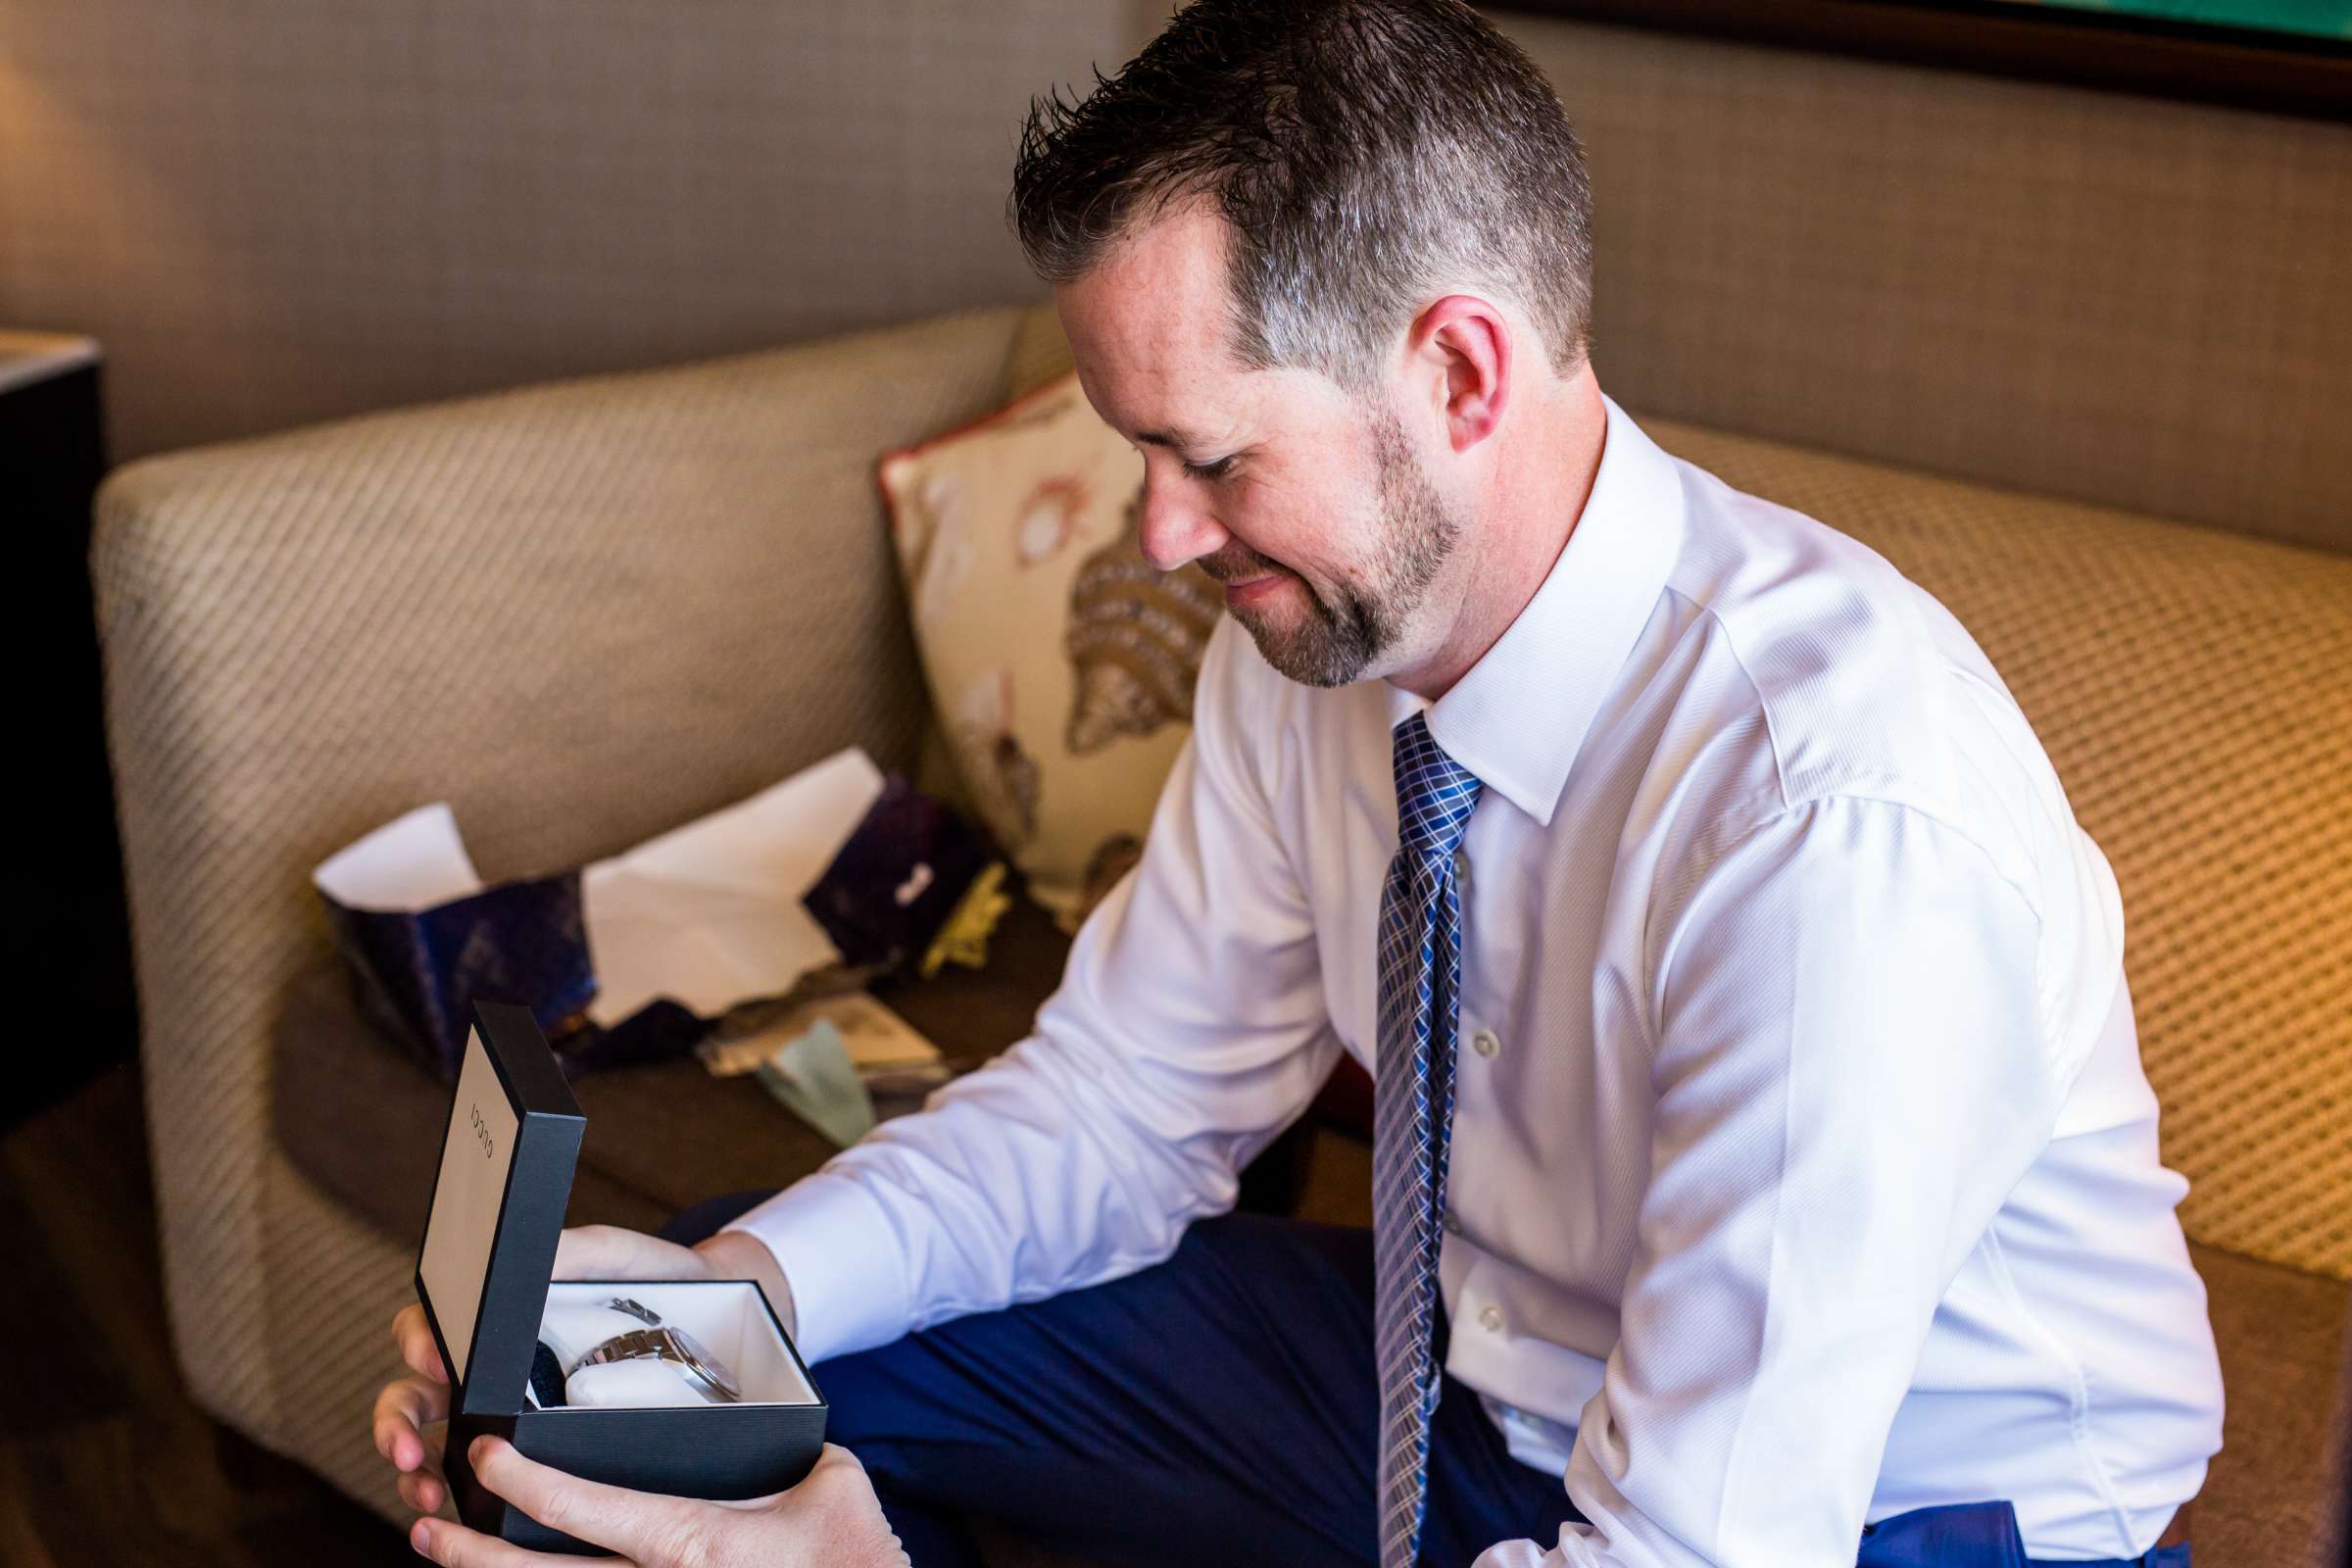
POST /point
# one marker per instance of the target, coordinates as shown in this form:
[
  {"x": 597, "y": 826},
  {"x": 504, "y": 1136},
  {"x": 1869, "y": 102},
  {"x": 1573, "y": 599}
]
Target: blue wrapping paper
[{"x": 418, "y": 974}]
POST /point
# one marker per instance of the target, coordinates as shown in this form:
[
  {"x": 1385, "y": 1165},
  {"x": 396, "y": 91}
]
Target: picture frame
[{"x": 2298, "y": 62}]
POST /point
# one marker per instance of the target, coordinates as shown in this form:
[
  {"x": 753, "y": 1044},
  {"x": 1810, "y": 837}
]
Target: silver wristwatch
[{"x": 702, "y": 1371}]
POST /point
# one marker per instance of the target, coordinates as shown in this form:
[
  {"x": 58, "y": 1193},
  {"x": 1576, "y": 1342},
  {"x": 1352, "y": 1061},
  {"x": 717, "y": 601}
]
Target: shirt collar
[{"x": 1520, "y": 715}]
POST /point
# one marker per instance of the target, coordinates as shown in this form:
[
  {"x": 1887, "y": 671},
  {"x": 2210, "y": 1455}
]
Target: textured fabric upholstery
[
  {"x": 271, "y": 212},
  {"x": 2098, "y": 295},
  {"x": 2271, "y": 1493},
  {"x": 2085, "y": 293},
  {"x": 582, "y": 614}
]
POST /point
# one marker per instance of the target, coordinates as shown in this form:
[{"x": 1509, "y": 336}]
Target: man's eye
[{"x": 1209, "y": 470}]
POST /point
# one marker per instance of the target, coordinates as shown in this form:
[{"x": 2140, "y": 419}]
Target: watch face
[{"x": 709, "y": 1368}]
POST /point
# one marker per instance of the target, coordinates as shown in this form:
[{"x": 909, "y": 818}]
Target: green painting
[{"x": 2310, "y": 19}]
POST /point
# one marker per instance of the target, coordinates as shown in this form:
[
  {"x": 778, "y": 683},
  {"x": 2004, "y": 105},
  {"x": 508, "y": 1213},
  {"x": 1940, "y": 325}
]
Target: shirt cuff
[{"x": 834, "y": 1244}]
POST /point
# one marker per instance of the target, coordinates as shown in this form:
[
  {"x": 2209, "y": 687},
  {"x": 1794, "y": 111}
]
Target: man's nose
[{"x": 1176, "y": 527}]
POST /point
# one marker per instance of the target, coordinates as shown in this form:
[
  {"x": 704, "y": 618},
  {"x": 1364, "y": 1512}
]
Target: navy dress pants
[{"x": 1218, "y": 1407}]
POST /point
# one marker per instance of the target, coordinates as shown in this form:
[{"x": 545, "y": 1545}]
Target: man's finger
[
  {"x": 402, "y": 1414},
  {"x": 423, "y": 1493},
  {"x": 414, "y": 1336},
  {"x": 613, "y": 1517},
  {"x": 456, "y": 1546}
]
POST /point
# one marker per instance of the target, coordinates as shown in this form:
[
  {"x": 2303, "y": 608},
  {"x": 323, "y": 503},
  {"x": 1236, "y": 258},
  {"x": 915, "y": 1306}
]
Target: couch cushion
[
  {"x": 2276, "y": 1492},
  {"x": 365, "y": 1122}
]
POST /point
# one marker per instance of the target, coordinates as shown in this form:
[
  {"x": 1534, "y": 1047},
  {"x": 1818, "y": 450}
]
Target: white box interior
[{"x": 728, "y": 1317}]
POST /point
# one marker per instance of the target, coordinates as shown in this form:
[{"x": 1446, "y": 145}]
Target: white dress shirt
[{"x": 1803, "y": 1169}]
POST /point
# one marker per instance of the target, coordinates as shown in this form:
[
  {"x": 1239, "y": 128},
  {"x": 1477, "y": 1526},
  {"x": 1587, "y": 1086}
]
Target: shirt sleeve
[
  {"x": 1851, "y": 1072},
  {"x": 1188, "y": 1029}
]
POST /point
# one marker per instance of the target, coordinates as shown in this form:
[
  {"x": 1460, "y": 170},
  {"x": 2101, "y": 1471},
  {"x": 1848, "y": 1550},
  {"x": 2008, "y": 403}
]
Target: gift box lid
[{"x": 498, "y": 1205}]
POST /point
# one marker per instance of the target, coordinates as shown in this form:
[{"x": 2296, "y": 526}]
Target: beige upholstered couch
[{"x": 585, "y": 612}]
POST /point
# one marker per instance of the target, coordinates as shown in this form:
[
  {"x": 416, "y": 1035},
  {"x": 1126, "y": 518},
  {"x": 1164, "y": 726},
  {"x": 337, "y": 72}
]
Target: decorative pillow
[{"x": 1061, "y": 664}]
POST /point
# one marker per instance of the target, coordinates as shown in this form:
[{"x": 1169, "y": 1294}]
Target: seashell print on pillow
[
  {"x": 1048, "y": 519},
  {"x": 1135, "y": 639}
]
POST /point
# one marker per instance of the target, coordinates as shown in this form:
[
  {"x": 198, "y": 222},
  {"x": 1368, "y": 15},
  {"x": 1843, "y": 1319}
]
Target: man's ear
[{"x": 1465, "y": 344}]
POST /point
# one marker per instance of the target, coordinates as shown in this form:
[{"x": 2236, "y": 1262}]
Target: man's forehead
[
  {"x": 1176, "y": 396},
  {"x": 1147, "y": 329}
]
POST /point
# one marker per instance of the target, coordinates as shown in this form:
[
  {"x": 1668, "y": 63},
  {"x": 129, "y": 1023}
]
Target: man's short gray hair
[{"x": 1366, "y": 154}]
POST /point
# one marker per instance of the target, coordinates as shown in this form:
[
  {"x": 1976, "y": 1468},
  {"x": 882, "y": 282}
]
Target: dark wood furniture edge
[{"x": 2239, "y": 67}]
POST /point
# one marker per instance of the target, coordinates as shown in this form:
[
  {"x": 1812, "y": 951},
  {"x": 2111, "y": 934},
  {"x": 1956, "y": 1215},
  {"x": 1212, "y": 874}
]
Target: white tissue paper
[
  {"x": 709, "y": 914},
  {"x": 411, "y": 862}
]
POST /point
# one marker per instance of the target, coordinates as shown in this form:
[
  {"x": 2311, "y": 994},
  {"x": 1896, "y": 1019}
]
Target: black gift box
[{"x": 482, "y": 1273}]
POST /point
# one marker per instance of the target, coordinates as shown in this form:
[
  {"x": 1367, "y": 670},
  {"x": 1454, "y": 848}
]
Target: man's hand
[
  {"x": 410, "y": 1404},
  {"x": 830, "y": 1520}
]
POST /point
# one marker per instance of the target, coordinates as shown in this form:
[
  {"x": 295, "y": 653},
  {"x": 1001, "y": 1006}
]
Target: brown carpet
[{"x": 104, "y": 1461}]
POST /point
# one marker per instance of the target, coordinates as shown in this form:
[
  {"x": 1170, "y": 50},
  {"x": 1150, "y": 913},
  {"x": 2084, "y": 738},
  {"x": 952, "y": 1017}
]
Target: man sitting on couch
[{"x": 1763, "y": 1168}]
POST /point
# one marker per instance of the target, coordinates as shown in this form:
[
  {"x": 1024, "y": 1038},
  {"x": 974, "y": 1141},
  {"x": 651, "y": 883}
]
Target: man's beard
[{"x": 1343, "y": 635}]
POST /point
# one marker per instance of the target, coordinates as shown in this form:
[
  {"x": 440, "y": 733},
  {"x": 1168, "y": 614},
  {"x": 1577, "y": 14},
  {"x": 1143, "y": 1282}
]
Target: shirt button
[
  {"x": 1486, "y": 1043},
  {"x": 1451, "y": 1221},
  {"x": 1461, "y": 865},
  {"x": 1489, "y": 1318}
]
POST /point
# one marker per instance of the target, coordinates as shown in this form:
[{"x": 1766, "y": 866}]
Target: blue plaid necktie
[{"x": 1420, "y": 975}]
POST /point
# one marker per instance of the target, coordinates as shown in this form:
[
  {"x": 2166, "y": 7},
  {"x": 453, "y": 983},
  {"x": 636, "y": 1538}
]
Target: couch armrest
[{"x": 581, "y": 613}]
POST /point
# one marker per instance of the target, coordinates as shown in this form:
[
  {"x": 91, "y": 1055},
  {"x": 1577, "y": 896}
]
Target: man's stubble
[{"x": 1343, "y": 636}]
